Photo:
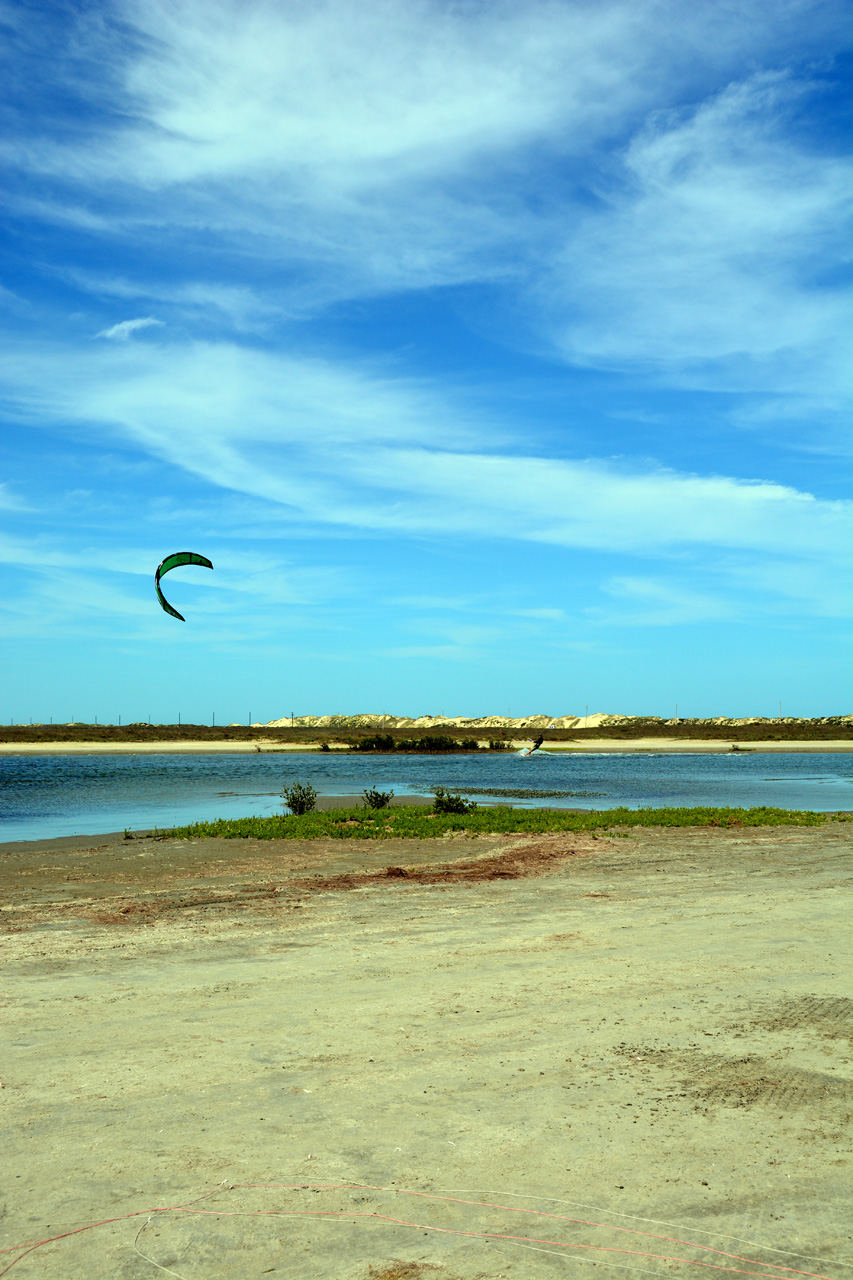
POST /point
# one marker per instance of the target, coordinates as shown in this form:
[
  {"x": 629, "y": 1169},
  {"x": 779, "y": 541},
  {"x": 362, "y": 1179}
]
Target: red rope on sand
[
  {"x": 483, "y": 1235},
  {"x": 771, "y": 1273},
  {"x": 137, "y": 1213},
  {"x": 562, "y": 1217}
]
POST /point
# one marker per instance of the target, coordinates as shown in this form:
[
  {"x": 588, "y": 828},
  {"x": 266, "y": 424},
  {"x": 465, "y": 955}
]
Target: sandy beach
[
  {"x": 437, "y": 1059},
  {"x": 656, "y": 745}
]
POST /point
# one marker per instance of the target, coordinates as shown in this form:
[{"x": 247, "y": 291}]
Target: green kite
[{"x": 171, "y": 562}]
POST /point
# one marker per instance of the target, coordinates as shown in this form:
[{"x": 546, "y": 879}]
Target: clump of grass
[
  {"x": 300, "y": 798},
  {"x": 418, "y": 822},
  {"x": 448, "y": 802},
  {"x": 374, "y": 799}
]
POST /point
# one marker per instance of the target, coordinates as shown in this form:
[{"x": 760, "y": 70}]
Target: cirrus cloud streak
[{"x": 337, "y": 445}]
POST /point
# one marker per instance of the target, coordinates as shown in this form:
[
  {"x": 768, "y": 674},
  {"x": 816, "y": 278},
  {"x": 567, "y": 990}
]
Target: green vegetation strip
[
  {"x": 525, "y": 793},
  {"x": 422, "y": 822}
]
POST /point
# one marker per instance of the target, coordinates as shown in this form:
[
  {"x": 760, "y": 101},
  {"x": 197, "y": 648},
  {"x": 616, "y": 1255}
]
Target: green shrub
[
  {"x": 447, "y": 802},
  {"x": 300, "y": 798},
  {"x": 377, "y": 742},
  {"x": 374, "y": 799},
  {"x": 429, "y": 742},
  {"x": 498, "y": 744}
]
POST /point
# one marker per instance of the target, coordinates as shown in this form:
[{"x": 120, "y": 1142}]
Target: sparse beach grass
[{"x": 424, "y": 822}]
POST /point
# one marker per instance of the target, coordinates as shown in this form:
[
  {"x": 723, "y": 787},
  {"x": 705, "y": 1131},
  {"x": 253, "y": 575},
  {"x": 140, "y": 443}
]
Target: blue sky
[{"x": 497, "y": 355}]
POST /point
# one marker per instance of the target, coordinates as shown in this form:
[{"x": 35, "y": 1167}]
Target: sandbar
[{"x": 438, "y": 1059}]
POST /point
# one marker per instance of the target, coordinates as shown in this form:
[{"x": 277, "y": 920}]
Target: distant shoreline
[{"x": 643, "y": 746}]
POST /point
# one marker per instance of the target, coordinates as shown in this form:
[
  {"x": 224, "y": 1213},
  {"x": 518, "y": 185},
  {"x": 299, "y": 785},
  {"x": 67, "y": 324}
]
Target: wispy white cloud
[
  {"x": 15, "y": 551},
  {"x": 286, "y": 133},
  {"x": 9, "y": 300},
  {"x": 647, "y": 601},
  {"x": 40, "y": 551},
  {"x": 342, "y": 446},
  {"x": 242, "y": 307},
  {"x": 544, "y": 615},
  {"x": 287, "y": 137},
  {"x": 223, "y": 395},
  {"x": 109, "y": 581},
  {"x": 443, "y": 652},
  {"x": 424, "y": 602},
  {"x": 814, "y": 588},
  {"x": 10, "y": 501},
  {"x": 596, "y": 504},
  {"x": 219, "y": 92},
  {"x": 709, "y": 259},
  {"x": 122, "y": 331}
]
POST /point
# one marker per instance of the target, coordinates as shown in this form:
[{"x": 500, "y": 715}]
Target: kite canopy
[{"x": 172, "y": 562}]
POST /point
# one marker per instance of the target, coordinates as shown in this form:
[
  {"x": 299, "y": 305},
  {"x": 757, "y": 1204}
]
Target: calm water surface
[{"x": 45, "y": 796}]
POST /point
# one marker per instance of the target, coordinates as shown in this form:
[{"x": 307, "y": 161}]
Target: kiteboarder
[{"x": 538, "y": 743}]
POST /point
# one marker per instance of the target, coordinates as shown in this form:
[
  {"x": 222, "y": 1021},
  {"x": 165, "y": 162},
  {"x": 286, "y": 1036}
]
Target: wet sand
[{"x": 628, "y": 1031}]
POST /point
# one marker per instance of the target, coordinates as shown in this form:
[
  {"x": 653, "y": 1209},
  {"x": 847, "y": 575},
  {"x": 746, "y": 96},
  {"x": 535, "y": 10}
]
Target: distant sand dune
[{"x": 370, "y": 720}]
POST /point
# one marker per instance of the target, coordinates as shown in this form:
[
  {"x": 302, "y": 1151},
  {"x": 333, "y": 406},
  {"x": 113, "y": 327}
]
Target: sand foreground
[{"x": 630, "y": 1031}]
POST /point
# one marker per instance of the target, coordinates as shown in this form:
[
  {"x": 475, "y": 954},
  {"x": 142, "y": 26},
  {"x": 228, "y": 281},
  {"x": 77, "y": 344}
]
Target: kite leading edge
[{"x": 171, "y": 562}]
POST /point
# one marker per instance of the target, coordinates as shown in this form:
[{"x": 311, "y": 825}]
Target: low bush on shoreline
[
  {"x": 428, "y": 744},
  {"x": 300, "y": 798},
  {"x": 412, "y": 822},
  {"x": 374, "y": 799},
  {"x": 450, "y": 802}
]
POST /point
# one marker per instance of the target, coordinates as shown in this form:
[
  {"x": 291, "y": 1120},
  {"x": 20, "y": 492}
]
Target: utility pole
[{"x": 676, "y": 710}]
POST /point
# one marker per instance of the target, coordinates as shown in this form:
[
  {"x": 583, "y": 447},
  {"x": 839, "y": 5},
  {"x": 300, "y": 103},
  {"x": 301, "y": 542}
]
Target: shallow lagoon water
[{"x": 47, "y": 796}]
